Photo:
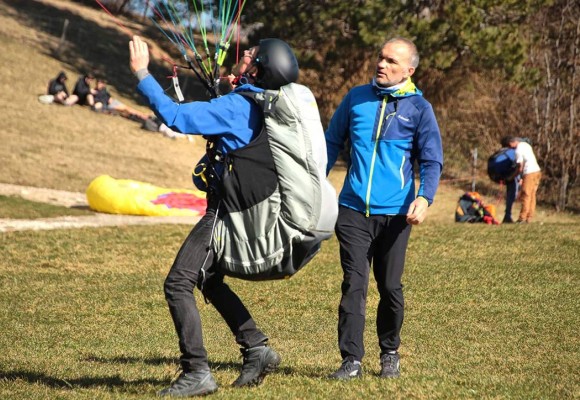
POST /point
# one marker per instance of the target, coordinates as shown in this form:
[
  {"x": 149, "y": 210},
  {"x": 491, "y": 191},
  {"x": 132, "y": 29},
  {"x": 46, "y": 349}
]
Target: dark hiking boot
[
  {"x": 258, "y": 362},
  {"x": 348, "y": 370},
  {"x": 390, "y": 366},
  {"x": 189, "y": 384}
]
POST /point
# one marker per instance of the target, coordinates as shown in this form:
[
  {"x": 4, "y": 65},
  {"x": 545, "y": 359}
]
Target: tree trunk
[{"x": 563, "y": 193}]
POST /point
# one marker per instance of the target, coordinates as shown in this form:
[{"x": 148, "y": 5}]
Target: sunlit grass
[
  {"x": 16, "y": 207},
  {"x": 492, "y": 312}
]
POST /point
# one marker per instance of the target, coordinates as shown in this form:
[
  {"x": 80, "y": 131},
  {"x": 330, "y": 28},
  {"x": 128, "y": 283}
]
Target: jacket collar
[
  {"x": 248, "y": 88},
  {"x": 405, "y": 89}
]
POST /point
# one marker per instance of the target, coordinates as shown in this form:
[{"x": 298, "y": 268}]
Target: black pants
[
  {"x": 380, "y": 240},
  {"x": 510, "y": 197},
  {"x": 185, "y": 274}
]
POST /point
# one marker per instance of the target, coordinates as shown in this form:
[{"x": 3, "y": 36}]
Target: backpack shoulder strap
[{"x": 266, "y": 99}]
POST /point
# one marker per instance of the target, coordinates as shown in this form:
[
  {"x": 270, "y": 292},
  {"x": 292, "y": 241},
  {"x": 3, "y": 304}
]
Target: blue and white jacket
[{"x": 388, "y": 132}]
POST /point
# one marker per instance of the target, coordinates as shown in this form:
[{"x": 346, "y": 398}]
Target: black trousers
[
  {"x": 380, "y": 240},
  {"x": 185, "y": 274},
  {"x": 510, "y": 197}
]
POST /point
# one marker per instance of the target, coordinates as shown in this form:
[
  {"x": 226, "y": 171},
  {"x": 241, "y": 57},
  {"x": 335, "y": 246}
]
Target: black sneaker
[
  {"x": 258, "y": 362},
  {"x": 507, "y": 220},
  {"x": 348, "y": 370},
  {"x": 197, "y": 383},
  {"x": 390, "y": 366}
]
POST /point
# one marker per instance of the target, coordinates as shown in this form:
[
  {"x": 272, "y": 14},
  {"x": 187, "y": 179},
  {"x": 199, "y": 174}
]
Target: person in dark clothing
[
  {"x": 104, "y": 102},
  {"x": 83, "y": 90},
  {"x": 57, "y": 88},
  {"x": 231, "y": 122},
  {"x": 102, "y": 97},
  {"x": 512, "y": 184}
]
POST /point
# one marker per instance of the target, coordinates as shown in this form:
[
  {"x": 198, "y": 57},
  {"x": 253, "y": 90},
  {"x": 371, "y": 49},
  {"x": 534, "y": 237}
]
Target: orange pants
[{"x": 530, "y": 183}]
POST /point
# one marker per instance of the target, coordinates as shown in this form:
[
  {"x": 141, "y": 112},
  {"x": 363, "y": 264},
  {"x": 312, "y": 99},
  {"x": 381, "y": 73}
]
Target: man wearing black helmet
[{"x": 229, "y": 122}]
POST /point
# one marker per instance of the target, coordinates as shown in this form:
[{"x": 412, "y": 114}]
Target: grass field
[
  {"x": 492, "y": 312},
  {"x": 16, "y": 207}
]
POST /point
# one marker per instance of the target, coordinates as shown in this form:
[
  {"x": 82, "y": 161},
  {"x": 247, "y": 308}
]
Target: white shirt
[{"x": 525, "y": 155}]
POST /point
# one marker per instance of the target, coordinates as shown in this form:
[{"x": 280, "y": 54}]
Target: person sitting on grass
[
  {"x": 83, "y": 90},
  {"x": 57, "y": 88},
  {"x": 104, "y": 102}
]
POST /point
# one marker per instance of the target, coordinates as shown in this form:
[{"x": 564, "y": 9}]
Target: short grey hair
[{"x": 414, "y": 53}]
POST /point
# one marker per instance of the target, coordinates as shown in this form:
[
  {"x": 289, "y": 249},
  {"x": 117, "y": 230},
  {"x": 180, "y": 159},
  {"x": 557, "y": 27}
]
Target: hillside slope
[{"x": 66, "y": 147}]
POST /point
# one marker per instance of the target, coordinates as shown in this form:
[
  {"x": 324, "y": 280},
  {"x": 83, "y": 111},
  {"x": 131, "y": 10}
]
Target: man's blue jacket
[
  {"x": 233, "y": 118},
  {"x": 387, "y": 134}
]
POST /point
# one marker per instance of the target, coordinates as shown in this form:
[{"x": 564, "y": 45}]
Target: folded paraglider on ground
[{"x": 471, "y": 208}]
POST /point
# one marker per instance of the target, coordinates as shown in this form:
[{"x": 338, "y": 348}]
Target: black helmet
[{"x": 277, "y": 64}]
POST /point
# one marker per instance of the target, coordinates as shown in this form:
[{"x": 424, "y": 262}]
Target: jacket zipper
[
  {"x": 374, "y": 157},
  {"x": 401, "y": 174}
]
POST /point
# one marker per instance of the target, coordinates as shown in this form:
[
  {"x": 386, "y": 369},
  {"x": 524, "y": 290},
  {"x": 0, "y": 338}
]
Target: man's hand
[
  {"x": 231, "y": 79},
  {"x": 417, "y": 211},
  {"x": 139, "y": 54}
]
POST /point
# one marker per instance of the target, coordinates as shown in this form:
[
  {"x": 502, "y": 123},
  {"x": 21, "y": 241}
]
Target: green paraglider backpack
[{"x": 280, "y": 206}]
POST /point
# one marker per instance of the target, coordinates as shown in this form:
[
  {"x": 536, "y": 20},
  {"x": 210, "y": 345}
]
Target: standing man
[
  {"x": 511, "y": 178},
  {"x": 390, "y": 126},
  {"x": 231, "y": 122},
  {"x": 530, "y": 171}
]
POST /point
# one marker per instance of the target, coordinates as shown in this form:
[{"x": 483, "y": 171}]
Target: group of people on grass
[
  {"x": 99, "y": 99},
  {"x": 390, "y": 128}
]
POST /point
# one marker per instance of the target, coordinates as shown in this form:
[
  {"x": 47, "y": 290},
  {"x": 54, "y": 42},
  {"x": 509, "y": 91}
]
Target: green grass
[
  {"x": 491, "y": 312},
  {"x": 16, "y": 207}
]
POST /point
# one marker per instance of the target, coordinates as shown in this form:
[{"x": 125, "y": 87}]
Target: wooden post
[
  {"x": 474, "y": 169},
  {"x": 62, "y": 36}
]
